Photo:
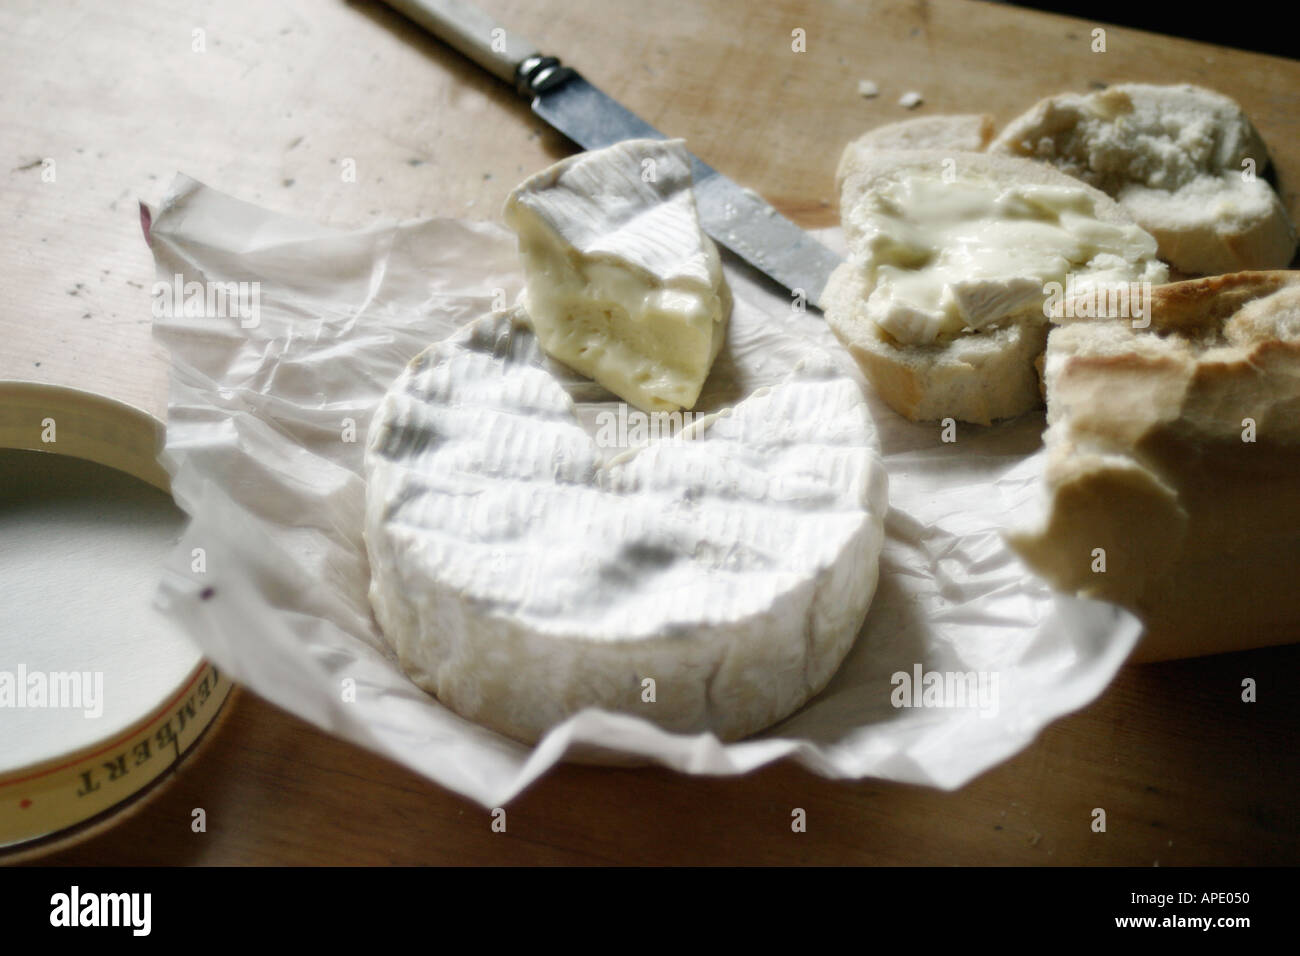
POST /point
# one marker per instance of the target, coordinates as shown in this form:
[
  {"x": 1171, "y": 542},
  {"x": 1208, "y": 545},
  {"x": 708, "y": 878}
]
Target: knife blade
[{"x": 736, "y": 218}]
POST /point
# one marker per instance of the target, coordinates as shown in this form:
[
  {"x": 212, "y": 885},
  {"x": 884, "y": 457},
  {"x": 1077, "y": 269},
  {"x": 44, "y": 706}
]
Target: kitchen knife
[{"x": 736, "y": 218}]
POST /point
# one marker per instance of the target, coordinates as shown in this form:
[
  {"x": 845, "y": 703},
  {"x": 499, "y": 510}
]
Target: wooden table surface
[{"x": 101, "y": 103}]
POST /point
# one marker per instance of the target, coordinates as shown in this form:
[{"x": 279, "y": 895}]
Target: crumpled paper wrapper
[{"x": 270, "y": 577}]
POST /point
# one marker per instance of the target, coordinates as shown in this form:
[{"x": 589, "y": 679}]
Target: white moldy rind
[{"x": 521, "y": 576}]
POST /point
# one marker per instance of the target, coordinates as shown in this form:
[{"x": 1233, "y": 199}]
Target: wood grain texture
[
  {"x": 284, "y": 92},
  {"x": 1187, "y": 774}
]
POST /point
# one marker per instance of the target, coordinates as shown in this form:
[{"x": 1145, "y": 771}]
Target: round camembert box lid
[{"x": 99, "y": 695}]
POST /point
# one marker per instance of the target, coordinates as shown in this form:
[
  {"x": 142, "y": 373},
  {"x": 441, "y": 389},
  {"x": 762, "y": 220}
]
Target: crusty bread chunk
[
  {"x": 941, "y": 300},
  {"x": 1173, "y": 463},
  {"x": 1185, "y": 161}
]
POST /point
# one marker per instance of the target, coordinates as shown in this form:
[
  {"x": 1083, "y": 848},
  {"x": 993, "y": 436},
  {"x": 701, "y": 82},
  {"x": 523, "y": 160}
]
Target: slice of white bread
[
  {"x": 1173, "y": 455},
  {"x": 1185, "y": 161},
  {"x": 978, "y": 376},
  {"x": 973, "y": 378},
  {"x": 967, "y": 133}
]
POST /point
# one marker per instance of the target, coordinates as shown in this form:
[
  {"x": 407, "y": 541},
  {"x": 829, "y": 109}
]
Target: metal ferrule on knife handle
[{"x": 537, "y": 74}]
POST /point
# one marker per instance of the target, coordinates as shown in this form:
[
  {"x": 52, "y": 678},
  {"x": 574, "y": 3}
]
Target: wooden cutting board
[
  {"x": 269, "y": 101},
  {"x": 345, "y": 114},
  {"x": 102, "y": 103}
]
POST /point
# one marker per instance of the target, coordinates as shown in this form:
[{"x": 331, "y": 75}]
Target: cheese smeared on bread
[{"x": 951, "y": 261}]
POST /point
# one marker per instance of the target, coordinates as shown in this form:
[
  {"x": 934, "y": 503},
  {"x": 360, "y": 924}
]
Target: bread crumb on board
[
  {"x": 910, "y": 100},
  {"x": 868, "y": 88}
]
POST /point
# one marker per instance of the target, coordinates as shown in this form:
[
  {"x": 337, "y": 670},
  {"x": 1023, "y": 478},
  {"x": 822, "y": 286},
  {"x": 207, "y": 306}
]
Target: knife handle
[{"x": 471, "y": 31}]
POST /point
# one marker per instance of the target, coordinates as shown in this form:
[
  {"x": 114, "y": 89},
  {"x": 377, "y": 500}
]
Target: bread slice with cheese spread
[
  {"x": 1173, "y": 463},
  {"x": 1184, "y": 161},
  {"x": 952, "y": 257}
]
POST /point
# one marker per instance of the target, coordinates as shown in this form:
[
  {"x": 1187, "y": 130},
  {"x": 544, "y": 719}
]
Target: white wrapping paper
[{"x": 270, "y": 577}]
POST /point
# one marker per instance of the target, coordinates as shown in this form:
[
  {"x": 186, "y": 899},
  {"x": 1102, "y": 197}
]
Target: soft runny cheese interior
[
  {"x": 622, "y": 283},
  {"x": 943, "y": 258}
]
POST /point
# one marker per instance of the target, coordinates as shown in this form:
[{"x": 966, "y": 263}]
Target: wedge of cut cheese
[
  {"x": 522, "y": 572},
  {"x": 622, "y": 283}
]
